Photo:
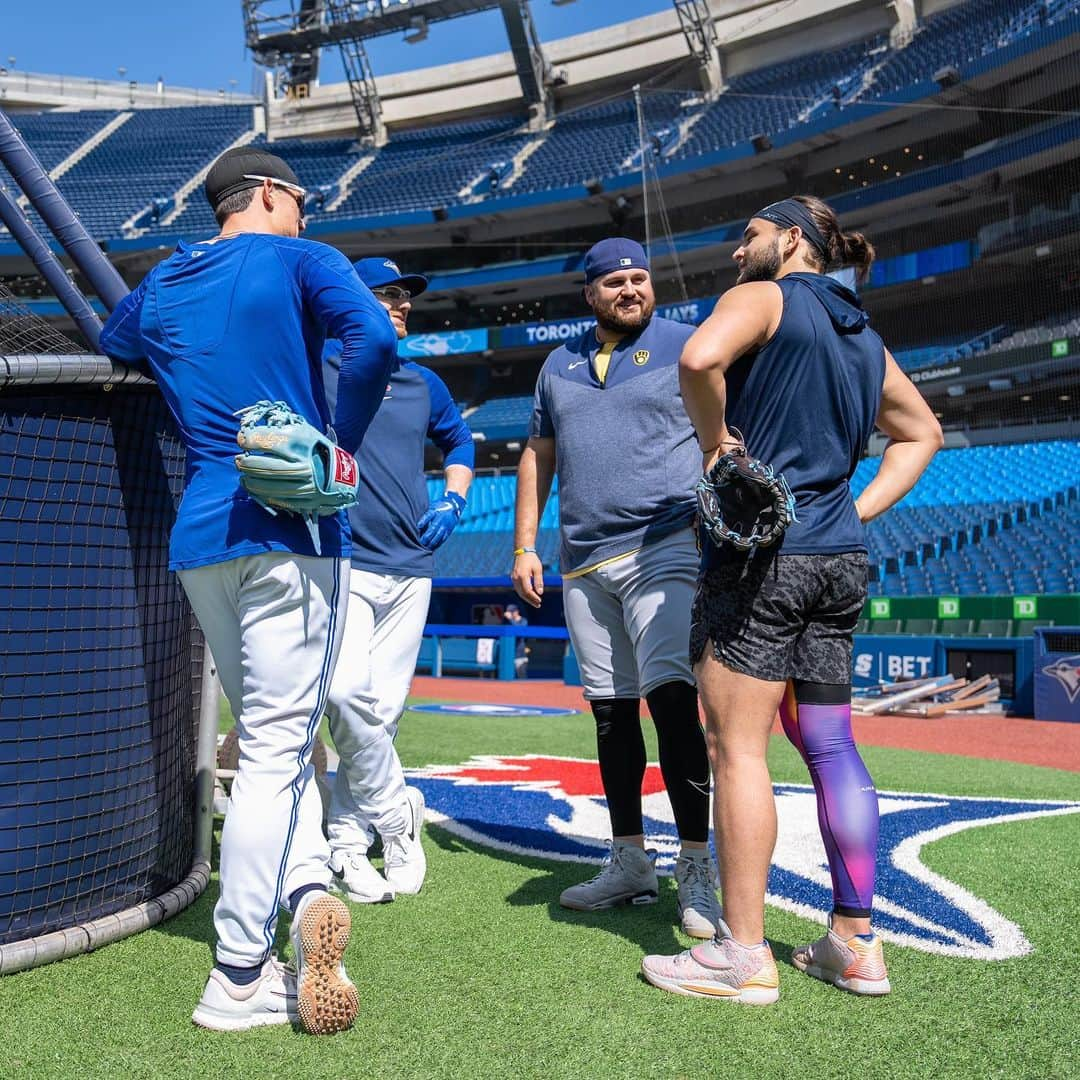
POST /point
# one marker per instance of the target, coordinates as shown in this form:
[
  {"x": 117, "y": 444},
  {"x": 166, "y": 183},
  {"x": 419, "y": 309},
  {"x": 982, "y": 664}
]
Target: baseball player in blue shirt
[
  {"x": 220, "y": 325},
  {"x": 394, "y": 533}
]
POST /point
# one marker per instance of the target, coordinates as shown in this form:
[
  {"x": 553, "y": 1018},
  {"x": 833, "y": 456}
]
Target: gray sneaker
[
  {"x": 626, "y": 877},
  {"x": 699, "y": 909}
]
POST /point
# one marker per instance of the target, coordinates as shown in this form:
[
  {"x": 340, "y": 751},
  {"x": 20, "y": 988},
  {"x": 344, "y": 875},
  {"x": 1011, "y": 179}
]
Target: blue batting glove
[{"x": 440, "y": 519}]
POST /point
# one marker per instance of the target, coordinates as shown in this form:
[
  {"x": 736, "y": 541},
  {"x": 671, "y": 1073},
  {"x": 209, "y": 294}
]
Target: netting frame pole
[
  {"x": 36, "y": 185},
  {"x": 48, "y": 266},
  {"x": 206, "y": 758}
]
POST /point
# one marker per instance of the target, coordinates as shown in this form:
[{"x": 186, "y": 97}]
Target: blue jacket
[
  {"x": 222, "y": 324},
  {"x": 416, "y": 406}
]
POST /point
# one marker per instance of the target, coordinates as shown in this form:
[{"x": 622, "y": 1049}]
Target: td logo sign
[
  {"x": 880, "y": 606},
  {"x": 948, "y": 607},
  {"x": 1025, "y": 607}
]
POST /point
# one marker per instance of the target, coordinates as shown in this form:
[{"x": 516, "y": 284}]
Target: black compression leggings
[{"x": 684, "y": 760}]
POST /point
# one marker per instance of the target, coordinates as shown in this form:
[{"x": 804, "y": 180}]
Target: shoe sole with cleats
[{"x": 326, "y": 1001}]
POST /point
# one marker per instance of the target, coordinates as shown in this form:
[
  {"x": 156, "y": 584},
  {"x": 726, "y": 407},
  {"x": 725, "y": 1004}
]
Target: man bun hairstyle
[{"x": 843, "y": 249}]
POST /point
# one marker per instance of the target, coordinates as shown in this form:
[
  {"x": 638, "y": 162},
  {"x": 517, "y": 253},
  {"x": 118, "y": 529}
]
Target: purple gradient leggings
[{"x": 817, "y": 720}]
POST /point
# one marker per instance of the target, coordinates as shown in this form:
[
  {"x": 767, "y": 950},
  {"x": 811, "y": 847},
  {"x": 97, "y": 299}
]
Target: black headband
[{"x": 790, "y": 212}]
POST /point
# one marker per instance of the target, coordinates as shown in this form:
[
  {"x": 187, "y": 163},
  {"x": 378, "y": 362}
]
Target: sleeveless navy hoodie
[{"x": 806, "y": 403}]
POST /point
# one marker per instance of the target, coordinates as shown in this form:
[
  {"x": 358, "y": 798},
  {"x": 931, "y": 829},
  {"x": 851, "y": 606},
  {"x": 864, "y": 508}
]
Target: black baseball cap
[{"x": 245, "y": 167}]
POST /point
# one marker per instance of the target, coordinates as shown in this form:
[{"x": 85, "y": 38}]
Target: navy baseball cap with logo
[
  {"x": 615, "y": 253},
  {"x": 378, "y": 272}
]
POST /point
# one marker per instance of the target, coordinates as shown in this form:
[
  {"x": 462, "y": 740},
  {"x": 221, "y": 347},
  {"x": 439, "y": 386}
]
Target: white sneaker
[
  {"x": 699, "y": 908},
  {"x": 326, "y": 999},
  {"x": 358, "y": 879},
  {"x": 270, "y": 999},
  {"x": 404, "y": 862}
]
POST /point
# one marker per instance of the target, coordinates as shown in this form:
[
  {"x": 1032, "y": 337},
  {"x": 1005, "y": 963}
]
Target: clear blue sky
[{"x": 201, "y": 42}]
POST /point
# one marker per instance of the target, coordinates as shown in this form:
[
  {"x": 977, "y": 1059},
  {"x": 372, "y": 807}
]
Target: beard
[
  {"x": 611, "y": 318},
  {"x": 763, "y": 267}
]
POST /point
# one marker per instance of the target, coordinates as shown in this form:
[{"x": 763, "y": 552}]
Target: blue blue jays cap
[
  {"x": 378, "y": 272},
  {"x": 615, "y": 253}
]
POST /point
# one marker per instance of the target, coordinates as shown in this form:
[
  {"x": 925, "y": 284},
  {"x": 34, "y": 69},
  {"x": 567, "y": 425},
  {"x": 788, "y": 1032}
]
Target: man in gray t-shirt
[{"x": 608, "y": 418}]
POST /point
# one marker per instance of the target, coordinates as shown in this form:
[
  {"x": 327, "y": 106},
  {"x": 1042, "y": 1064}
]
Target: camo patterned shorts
[{"x": 778, "y": 617}]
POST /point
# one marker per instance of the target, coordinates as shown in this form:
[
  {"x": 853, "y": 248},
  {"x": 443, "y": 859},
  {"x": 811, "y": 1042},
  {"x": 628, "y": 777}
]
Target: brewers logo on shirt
[{"x": 641, "y": 357}]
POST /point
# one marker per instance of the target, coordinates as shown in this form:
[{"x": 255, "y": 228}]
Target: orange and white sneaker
[
  {"x": 856, "y": 965},
  {"x": 721, "y": 969}
]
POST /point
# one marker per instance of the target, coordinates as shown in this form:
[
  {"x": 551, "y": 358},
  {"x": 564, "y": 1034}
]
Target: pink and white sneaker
[
  {"x": 856, "y": 965},
  {"x": 721, "y": 969}
]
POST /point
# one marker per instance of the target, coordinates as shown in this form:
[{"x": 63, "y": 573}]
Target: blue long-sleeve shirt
[
  {"x": 393, "y": 493},
  {"x": 222, "y": 324}
]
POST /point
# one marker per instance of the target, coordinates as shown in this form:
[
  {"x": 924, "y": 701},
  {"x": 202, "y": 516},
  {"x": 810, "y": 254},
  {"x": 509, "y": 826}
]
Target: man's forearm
[
  {"x": 705, "y": 398},
  {"x": 534, "y": 478},
  {"x": 458, "y": 478}
]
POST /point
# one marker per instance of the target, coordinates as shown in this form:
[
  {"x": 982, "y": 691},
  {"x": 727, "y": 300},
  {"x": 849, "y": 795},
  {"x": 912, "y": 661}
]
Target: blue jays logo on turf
[
  {"x": 458, "y": 709},
  {"x": 553, "y": 808}
]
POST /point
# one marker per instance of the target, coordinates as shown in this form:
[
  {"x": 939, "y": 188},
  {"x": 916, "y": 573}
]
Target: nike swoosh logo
[
  {"x": 697, "y": 785},
  {"x": 570, "y": 367}
]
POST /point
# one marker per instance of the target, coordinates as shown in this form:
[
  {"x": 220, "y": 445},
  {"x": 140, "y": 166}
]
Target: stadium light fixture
[
  {"x": 418, "y": 30},
  {"x": 947, "y": 76}
]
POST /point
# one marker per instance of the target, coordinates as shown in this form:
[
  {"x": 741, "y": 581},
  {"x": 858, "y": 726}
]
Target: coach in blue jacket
[{"x": 394, "y": 534}]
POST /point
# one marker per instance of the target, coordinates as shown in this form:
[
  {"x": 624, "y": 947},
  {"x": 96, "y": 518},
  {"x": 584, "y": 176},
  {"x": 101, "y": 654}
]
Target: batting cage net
[{"x": 100, "y": 677}]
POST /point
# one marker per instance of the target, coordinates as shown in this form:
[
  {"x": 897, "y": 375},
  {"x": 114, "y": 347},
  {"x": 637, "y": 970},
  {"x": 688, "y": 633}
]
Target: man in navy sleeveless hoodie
[
  {"x": 394, "y": 534},
  {"x": 220, "y": 325},
  {"x": 788, "y": 361}
]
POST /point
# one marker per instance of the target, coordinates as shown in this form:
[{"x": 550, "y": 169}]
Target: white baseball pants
[
  {"x": 367, "y": 697},
  {"x": 274, "y": 624}
]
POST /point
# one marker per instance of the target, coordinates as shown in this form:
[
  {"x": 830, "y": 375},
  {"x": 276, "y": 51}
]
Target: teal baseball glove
[{"x": 290, "y": 466}]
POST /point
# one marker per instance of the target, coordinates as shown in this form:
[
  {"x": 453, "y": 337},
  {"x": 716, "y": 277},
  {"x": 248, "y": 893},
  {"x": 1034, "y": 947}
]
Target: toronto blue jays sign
[{"x": 553, "y": 808}]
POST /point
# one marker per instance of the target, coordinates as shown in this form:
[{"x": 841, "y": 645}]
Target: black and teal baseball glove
[{"x": 743, "y": 503}]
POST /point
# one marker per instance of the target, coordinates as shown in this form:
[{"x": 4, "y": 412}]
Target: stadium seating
[
  {"x": 503, "y": 418},
  {"x": 990, "y": 519},
  {"x": 151, "y": 155},
  {"x": 54, "y": 136},
  {"x": 430, "y": 167},
  {"x": 956, "y": 37},
  {"x": 774, "y": 99},
  {"x": 156, "y": 151}
]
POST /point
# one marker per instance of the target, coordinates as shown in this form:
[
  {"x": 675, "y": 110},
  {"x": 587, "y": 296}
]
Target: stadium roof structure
[{"x": 280, "y": 35}]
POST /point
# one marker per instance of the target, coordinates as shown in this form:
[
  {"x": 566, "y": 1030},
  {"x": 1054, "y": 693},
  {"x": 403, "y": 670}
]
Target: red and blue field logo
[{"x": 553, "y": 808}]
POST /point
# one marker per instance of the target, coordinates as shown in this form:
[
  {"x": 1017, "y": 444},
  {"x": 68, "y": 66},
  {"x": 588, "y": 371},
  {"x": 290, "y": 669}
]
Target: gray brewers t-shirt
[{"x": 626, "y": 456}]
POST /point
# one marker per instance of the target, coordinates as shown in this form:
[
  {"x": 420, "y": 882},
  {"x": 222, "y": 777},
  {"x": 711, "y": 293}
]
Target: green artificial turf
[{"x": 483, "y": 974}]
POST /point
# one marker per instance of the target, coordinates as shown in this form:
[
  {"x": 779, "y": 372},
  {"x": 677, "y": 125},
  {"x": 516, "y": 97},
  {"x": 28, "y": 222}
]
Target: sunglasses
[
  {"x": 298, "y": 193},
  {"x": 394, "y": 294}
]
